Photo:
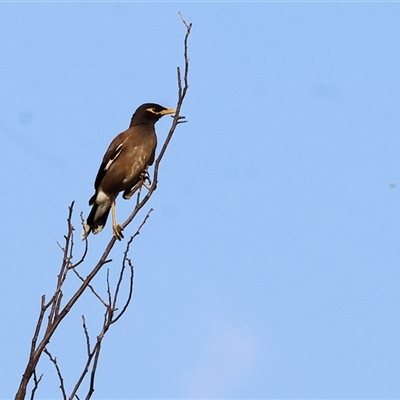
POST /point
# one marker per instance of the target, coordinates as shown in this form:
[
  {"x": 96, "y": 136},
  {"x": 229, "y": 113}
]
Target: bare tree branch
[{"x": 57, "y": 308}]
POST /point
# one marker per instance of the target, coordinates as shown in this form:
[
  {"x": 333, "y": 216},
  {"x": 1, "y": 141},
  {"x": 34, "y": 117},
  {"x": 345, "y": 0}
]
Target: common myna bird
[{"x": 124, "y": 167}]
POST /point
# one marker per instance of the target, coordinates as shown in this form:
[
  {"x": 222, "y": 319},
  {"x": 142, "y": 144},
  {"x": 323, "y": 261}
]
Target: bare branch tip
[
  {"x": 71, "y": 207},
  {"x": 188, "y": 26}
]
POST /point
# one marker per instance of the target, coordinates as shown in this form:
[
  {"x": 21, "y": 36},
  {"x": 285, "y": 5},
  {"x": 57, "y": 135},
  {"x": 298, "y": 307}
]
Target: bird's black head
[{"x": 149, "y": 113}]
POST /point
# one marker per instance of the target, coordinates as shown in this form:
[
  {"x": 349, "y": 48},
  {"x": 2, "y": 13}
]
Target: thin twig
[
  {"x": 90, "y": 287},
  {"x": 36, "y": 382},
  {"x": 108, "y": 289},
  {"x": 38, "y": 325},
  {"x": 85, "y": 331},
  {"x": 60, "y": 378},
  {"x": 123, "y": 264},
  {"x": 80, "y": 261},
  {"x": 130, "y": 292},
  {"x": 94, "y": 368}
]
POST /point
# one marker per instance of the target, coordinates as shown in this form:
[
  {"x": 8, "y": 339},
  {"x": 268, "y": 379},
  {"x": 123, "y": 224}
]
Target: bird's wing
[
  {"x": 151, "y": 160},
  {"x": 112, "y": 153},
  {"x": 153, "y": 156}
]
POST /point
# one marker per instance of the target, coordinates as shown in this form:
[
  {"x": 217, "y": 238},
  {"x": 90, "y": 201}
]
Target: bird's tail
[{"x": 96, "y": 220}]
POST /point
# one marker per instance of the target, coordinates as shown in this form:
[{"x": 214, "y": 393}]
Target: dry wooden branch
[{"x": 57, "y": 308}]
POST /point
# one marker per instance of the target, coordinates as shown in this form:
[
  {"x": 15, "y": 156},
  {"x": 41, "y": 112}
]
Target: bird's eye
[{"x": 152, "y": 110}]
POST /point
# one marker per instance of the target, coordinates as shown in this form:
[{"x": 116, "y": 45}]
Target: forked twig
[{"x": 36, "y": 382}]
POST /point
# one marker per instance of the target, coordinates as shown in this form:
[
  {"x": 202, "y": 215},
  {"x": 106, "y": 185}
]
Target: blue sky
[{"x": 270, "y": 265}]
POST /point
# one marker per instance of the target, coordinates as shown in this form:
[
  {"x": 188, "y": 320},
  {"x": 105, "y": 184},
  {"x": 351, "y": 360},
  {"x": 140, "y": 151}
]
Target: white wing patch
[{"x": 116, "y": 154}]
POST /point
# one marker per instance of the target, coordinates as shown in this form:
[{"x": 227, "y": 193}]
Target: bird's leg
[{"x": 117, "y": 229}]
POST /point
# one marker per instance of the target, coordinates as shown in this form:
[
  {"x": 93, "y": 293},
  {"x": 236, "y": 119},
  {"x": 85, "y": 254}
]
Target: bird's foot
[
  {"x": 145, "y": 179},
  {"x": 117, "y": 229}
]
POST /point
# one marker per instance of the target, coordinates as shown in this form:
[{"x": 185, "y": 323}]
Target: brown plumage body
[{"x": 123, "y": 165}]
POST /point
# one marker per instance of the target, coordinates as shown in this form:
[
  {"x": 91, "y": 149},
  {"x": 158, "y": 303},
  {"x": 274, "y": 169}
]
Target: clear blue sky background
[{"x": 270, "y": 266}]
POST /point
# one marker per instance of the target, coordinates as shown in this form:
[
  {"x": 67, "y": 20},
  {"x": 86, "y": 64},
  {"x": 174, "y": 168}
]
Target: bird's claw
[
  {"x": 145, "y": 177},
  {"x": 117, "y": 229}
]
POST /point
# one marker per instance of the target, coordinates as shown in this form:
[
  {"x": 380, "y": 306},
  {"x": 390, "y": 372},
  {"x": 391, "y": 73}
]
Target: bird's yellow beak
[
  {"x": 161, "y": 113},
  {"x": 168, "y": 111}
]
